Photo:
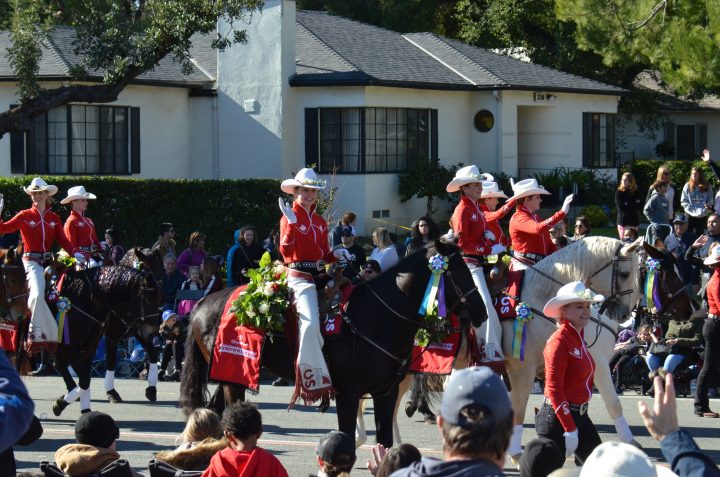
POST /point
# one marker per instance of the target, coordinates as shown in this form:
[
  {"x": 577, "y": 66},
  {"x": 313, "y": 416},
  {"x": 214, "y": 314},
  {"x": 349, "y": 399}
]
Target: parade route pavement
[{"x": 146, "y": 428}]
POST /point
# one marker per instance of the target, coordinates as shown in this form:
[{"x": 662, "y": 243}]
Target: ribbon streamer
[
  {"x": 523, "y": 316},
  {"x": 652, "y": 292},
  {"x": 435, "y": 288},
  {"x": 63, "y": 306}
]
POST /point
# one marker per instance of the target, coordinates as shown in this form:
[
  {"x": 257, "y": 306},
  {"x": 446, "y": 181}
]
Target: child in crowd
[
  {"x": 192, "y": 283},
  {"x": 242, "y": 426},
  {"x": 173, "y": 334},
  {"x": 336, "y": 454},
  {"x": 629, "y": 235},
  {"x": 657, "y": 210},
  {"x": 201, "y": 424},
  {"x": 202, "y": 438}
]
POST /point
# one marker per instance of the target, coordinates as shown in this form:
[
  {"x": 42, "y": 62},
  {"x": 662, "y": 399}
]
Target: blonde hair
[
  {"x": 383, "y": 237},
  {"x": 661, "y": 170},
  {"x": 633, "y": 184},
  {"x": 201, "y": 424}
]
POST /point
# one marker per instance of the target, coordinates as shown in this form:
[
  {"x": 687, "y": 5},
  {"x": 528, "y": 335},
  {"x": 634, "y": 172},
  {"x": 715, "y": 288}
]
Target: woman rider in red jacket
[{"x": 79, "y": 229}]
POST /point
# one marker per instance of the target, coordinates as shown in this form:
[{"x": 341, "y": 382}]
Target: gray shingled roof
[
  {"x": 59, "y": 56},
  {"x": 667, "y": 100},
  {"x": 333, "y": 50}
]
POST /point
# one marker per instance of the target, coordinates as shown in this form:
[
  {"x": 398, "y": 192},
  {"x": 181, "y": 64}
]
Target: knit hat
[
  {"x": 167, "y": 314},
  {"x": 96, "y": 429},
  {"x": 540, "y": 457},
  {"x": 337, "y": 448}
]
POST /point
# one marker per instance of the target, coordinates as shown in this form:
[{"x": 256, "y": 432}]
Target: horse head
[
  {"x": 668, "y": 293},
  {"x": 461, "y": 293}
]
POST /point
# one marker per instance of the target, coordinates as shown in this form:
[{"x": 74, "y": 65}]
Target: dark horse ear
[
  {"x": 149, "y": 281},
  {"x": 140, "y": 255},
  {"x": 657, "y": 253},
  {"x": 444, "y": 247}
]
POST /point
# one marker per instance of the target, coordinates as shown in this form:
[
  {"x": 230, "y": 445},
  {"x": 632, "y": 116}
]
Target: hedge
[
  {"x": 137, "y": 207},
  {"x": 645, "y": 172}
]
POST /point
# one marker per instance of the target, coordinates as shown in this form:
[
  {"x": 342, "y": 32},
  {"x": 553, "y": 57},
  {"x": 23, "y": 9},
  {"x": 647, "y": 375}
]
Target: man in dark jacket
[
  {"x": 16, "y": 407},
  {"x": 476, "y": 422}
]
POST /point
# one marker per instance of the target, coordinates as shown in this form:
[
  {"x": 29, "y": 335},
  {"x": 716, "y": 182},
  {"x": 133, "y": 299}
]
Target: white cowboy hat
[
  {"x": 713, "y": 257},
  {"x": 526, "y": 188},
  {"x": 573, "y": 292},
  {"x": 77, "y": 192},
  {"x": 467, "y": 175},
  {"x": 491, "y": 189},
  {"x": 39, "y": 185},
  {"x": 304, "y": 178}
]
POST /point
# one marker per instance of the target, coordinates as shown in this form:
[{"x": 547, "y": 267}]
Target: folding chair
[
  {"x": 117, "y": 468},
  {"x": 161, "y": 469}
]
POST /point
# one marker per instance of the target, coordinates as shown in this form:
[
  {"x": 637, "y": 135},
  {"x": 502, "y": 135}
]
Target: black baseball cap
[
  {"x": 475, "y": 385},
  {"x": 96, "y": 429},
  {"x": 337, "y": 448},
  {"x": 347, "y": 231}
]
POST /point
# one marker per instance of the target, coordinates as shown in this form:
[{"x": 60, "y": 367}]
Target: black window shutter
[
  {"x": 434, "y": 135},
  {"x": 17, "y": 152},
  {"x": 312, "y": 151},
  {"x": 135, "y": 140}
]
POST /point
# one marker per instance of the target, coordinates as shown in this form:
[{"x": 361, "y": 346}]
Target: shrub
[
  {"x": 136, "y": 207},
  {"x": 645, "y": 171},
  {"x": 596, "y": 215}
]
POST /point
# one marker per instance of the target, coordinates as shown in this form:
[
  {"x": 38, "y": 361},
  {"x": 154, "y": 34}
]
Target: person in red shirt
[
  {"x": 304, "y": 248},
  {"x": 476, "y": 242},
  {"x": 529, "y": 235},
  {"x": 711, "y": 333},
  {"x": 569, "y": 371},
  {"x": 242, "y": 426},
  {"x": 79, "y": 229},
  {"x": 39, "y": 228},
  {"x": 489, "y": 201}
]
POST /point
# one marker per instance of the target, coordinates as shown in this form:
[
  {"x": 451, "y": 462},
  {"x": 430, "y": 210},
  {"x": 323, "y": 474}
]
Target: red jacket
[
  {"x": 255, "y": 463},
  {"x": 569, "y": 371},
  {"x": 307, "y": 239},
  {"x": 80, "y": 232},
  {"x": 492, "y": 221},
  {"x": 713, "y": 293},
  {"x": 530, "y": 235},
  {"x": 468, "y": 224},
  {"x": 38, "y": 232}
]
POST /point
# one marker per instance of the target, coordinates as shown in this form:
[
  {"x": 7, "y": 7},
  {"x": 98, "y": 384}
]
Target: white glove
[
  {"x": 342, "y": 254},
  {"x": 566, "y": 204},
  {"x": 79, "y": 257},
  {"x": 571, "y": 443},
  {"x": 450, "y": 235},
  {"x": 489, "y": 235},
  {"x": 287, "y": 211},
  {"x": 2, "y": 203},
  {"x": 497, "y": 248}
]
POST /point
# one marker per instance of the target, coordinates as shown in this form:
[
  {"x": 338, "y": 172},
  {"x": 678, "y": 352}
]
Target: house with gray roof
[{"x": 358, "y": 102}]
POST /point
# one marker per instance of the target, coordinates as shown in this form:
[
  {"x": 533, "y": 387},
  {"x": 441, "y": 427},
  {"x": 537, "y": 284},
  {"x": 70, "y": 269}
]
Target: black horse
[
  {"x": 113, "y": 300},
  {"x": 147, "y": 261},
  {"x": 370, "y": 356}
]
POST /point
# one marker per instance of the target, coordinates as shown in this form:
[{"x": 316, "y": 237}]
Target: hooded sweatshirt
[
  {"x": 232, "y": 463},
  {"x": 429, "y": 467},
  {"x": 229, "y": 258},
  {"x": 83, "y": 459}
]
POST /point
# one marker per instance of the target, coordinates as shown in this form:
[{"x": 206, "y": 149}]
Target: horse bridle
[
  {"x": 9, "y": 297},
  {"x": 670, "y": 296}
]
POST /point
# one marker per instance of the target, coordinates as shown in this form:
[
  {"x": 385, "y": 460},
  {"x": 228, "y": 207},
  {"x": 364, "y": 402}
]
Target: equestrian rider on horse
[
  {"x": 304, "y": 248},
  {"x": 491, "y": 194},
  {"x": 79, "y": 229},
  {"x": 529, "y": 235},
  {"x": 475, "y": 240},
  {"x": 40, "y": 228}
]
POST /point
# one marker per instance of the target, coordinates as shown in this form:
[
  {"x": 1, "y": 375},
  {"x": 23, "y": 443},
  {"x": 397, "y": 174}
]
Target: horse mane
[{"x": 579, "y": 260}]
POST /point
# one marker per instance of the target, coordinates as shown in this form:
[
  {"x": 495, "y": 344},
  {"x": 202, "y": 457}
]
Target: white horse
[{"x": 606, "y": 265}]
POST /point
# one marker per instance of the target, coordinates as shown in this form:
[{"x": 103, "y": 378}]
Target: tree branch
[{"x": 639, "y": 24}]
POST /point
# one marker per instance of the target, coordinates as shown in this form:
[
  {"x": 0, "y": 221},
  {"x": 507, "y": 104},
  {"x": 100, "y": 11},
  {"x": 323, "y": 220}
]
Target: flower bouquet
[
  {"x": 435, "y": 328},
  {"x": 266, "y": 298}
]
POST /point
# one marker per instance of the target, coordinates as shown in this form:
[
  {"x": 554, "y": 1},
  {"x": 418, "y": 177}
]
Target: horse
[
  {"x": 369, "y": 356},
  {"x": 13, "y": 303},
  {"x": 147, "y": 261},
  {"x": 113, "y": 300}
]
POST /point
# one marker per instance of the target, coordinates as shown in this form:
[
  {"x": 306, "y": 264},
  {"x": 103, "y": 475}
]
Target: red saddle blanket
[
  {"x": 506, "y": 302},
  {"x": 236, "y": 356},
  {"x": 8, "y": 335},
  {"x": 437, "y": 358}
]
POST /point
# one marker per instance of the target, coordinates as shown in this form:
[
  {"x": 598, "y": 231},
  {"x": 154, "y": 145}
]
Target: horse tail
[
  {"x": 427, "y": 389},
  {"x": 193, "y": 382}
]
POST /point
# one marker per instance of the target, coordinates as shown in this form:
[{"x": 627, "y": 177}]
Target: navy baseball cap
[
  {"x": 347, "y": 231},
  {"x": 680, "y": 218},
  {"x": 476, "y": 385}
]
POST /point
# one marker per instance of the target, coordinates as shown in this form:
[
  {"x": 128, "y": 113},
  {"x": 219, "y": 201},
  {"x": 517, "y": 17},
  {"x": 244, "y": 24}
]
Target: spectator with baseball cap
[
  {"x": 678, "y": 243},
  {"x": 476, "y": 422},
  {"x": 336, "y": 454},
  {"x": 357, "y": 255},
  {"x": 96, "y": 434}
]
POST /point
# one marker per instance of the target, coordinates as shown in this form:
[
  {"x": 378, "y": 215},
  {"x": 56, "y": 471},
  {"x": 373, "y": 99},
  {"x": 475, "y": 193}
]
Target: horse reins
[{"x": 9, "y": 297}]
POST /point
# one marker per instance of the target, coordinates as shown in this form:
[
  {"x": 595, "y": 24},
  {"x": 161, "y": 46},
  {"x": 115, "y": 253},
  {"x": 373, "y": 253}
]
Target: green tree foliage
[
  {"x": 120, "y": 38},
  {"x": 426, "y": 179},
  {"x": 678, "y": 38}
]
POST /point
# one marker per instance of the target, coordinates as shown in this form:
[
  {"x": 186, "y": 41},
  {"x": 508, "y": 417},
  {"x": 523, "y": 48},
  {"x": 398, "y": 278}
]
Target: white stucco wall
[
  {"x": 643, "y": 142},
  {"x": 167, "y": 130}
]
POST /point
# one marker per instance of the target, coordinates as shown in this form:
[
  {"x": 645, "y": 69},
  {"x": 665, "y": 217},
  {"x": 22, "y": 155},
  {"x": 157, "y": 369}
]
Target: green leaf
[{"x": 265, "y": 260}]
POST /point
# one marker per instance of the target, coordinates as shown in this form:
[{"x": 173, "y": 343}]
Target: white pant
[
  {"x": 490, "y": 332},
  {"x": 43, "y": 326},
  {"x": 311, "y": 363}
]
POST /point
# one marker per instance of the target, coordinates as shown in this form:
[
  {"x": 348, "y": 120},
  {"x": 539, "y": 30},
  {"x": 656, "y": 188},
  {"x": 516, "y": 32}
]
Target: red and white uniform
[
  {"x": 569, "y": 371},
  {"x": 530, "y": 234},
  {"x": 38, "y": 232},
  {"x": 713, "y": 293},
  {"x": 468, "y": 224},
  {"x": 492, "y": 221},
  {"x": 307, "y": 241},
  {"x": 80, "y": 231}
]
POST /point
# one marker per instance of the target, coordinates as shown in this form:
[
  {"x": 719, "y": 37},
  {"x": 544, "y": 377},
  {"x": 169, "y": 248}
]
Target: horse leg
[
  {"x": 384, "y": 411},
  {"x": 82, "y": 367},
  {"x": 217, "y": 401},
  {"x": 62, "y": 366},
  {"x": 152, "y": 356},
  {"x": 403, "y": 388},
  {"x": 111, "y": 360},
  {"x": 360, "y": 432},
  {"x": 603, "y": 381},
  {"x": 522, "y": 376},
  {"x": 346, "y": 406}
]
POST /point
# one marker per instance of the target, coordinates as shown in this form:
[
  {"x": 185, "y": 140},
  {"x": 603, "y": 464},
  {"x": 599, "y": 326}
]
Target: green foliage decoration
[{"x": 137, "y": 207}]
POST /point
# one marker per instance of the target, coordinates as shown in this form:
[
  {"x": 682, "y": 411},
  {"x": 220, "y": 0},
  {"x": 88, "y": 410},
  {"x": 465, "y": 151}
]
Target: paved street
[{"x": 147, "y": 428}]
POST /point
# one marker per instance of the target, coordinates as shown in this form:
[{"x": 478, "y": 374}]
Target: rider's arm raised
[
  {"x": 501, "y": 212},
  {"x": 13, "y": 224},
  {"x": 525, "y": 222}
]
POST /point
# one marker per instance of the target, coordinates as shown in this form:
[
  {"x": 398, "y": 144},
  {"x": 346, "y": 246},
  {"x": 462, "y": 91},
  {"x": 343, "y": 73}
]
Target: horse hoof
[
  {"x": 410, "y": 409},
  {"x": 114, "y": 397},
  {"x": 636, "y": 444},
  {"x": 430, "y": 419},
  {"x": 59, "y": 406},
  {"x": 151, "y": 393},
  {"x": 324, "y": 404},
  {"x": 84, "y": 411}
]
